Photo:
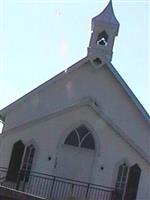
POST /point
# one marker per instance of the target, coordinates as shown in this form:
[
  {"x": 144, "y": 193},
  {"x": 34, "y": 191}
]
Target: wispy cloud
[{"x": 64, "y": 47}]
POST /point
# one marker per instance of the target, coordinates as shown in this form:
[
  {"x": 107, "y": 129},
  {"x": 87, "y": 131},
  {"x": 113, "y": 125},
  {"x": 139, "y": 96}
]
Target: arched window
[
  {"x": 81, "y": 137},
  {"x": 27, "y": 162},
  {"x": 121, "y": 180},
  {"x": 102, "y": 39}
]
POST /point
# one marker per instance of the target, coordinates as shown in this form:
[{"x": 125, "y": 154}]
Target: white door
[
  {"x": 76, "y": 155},
  {"x": 75, "y": 163}
]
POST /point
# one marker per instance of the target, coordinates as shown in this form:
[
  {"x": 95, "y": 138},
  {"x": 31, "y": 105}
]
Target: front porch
[{"x": 57, "y": 188}]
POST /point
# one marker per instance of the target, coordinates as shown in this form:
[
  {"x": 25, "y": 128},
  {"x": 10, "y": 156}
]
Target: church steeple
[{"x": 105, "y": 28}]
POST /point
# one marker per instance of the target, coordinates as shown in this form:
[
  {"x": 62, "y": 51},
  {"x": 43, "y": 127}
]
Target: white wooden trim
[{"x": 90, "y": 102}]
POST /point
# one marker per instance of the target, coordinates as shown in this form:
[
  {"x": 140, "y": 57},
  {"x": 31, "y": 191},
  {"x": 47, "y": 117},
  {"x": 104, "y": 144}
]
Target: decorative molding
[
  {"x": 74, "y": 126},
  {"x": 92, "y": 103}
]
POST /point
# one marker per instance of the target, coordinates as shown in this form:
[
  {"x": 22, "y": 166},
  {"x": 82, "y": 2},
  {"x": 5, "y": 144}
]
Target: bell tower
[{"x": 105, "y": 28}]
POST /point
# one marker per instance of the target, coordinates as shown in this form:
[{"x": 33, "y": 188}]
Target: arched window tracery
[{"x": 81, "y": 137}]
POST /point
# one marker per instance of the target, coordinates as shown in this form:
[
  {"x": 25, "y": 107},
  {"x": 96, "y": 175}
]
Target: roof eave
[
  {"x": 129, "y": 92},
  {"x": 7, "y": 109}
]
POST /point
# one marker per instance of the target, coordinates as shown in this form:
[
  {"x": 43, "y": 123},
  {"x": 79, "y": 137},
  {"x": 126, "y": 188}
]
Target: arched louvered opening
[
  {"x": 121, "y": 180},
  {"x": 81, "y": 137},
  {"x": 102, "y": 38},
  {"x": 27, "y": 162}
]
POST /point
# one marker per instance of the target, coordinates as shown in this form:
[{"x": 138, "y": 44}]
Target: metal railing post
[
  {"x": 72, "y": 187},
  {"x": 87, "y": 191}
]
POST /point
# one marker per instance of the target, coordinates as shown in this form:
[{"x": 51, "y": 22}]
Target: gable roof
[{"x": 6, "y": 110}]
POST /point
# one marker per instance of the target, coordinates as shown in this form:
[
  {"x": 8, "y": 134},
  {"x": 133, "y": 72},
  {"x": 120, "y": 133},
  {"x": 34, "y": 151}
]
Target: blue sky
[{"x": 39, "y": 39}]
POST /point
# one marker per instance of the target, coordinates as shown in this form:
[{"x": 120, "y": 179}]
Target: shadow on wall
[{"x": 8, "y": 194}]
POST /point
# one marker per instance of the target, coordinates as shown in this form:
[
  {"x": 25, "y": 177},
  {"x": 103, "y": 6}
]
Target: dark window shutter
[
  {"x": 15, "y": 161},
  {"x": 133, "y": 182}
]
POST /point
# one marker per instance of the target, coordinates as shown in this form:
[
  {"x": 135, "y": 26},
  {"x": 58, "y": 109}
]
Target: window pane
[
  {"x": 88, "y": 142},
  {"x": 125, "y": 171},
  {"x": 72, "y": 139},
  {"x": 31, "y": 155},
  {"x": 119, "y": 173},
  {"x": 26, "y": 155},
  {"x": 82, "y": 131},
  {"x": 121, "y": 180}
]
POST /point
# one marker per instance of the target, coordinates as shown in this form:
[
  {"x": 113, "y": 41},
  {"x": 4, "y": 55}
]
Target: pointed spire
[
  {"x": 105, "y": 28},
  {"x": 107, "y": 16}
]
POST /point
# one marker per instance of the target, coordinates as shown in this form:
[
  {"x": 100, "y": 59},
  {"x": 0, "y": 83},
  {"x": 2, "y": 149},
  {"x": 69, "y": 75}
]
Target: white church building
[{"x": 82, "y": 134}]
